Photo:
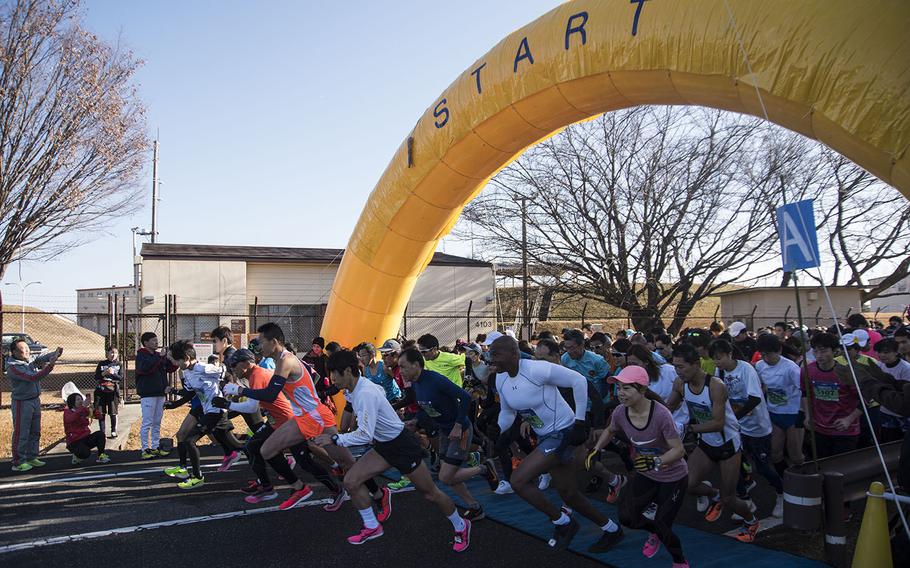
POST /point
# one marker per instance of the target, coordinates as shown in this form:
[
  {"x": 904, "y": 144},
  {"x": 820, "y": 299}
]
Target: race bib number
[
  {"x": 428, "y": 408},
  {"x": 828, "y": 392},
  {"x": 777, "y": 397},
  {"x": 701, "y": 412},
  {"x": 531, "y": 418}
]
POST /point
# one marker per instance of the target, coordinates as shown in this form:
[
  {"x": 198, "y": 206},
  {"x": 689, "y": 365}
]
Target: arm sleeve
[
  {"x": 270, "y": 392},
  {"x": 366, "y": 423},
  {"x": 463, "y": 400},
  {"x": 567, "y": 378},
  {"x": 248, "y": 406}
]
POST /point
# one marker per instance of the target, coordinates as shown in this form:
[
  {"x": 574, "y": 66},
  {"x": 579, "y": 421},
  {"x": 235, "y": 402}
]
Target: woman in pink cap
[{"x": 661, "y": 472}]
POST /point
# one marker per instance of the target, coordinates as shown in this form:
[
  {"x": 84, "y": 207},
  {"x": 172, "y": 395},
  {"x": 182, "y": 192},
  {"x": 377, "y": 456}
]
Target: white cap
[
  {"x": 858, "y": 338},
  {"x": 491, "y": 337},
  {"x": 736, "y": 328}
]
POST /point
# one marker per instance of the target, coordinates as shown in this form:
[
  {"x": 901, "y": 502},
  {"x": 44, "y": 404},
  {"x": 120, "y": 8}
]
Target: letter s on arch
[{"x": 441, "y": 110}]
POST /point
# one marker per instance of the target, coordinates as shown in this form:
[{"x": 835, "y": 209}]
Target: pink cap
[{"x": 632, "y": 374}]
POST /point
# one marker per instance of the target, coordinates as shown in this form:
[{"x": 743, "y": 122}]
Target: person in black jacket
[
  {"x": 108, "y": 377},
  {"x": 152, "y": 368}
]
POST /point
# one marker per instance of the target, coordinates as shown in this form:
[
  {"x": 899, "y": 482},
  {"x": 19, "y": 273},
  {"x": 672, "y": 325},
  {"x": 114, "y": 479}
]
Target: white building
[
  {"x": 244, "y": 287},
  {"x": 893, "y": 300},
  {"x": 94, "y": 304}
]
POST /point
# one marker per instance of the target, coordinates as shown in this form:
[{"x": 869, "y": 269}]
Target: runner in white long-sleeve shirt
[
  {"x": 393, "y": 446},
  {"x": 529, "y": 388}
]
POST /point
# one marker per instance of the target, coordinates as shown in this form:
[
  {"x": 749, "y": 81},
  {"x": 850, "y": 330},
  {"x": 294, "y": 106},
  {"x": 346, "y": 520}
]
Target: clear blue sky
[{"x": 290, "y": 107}]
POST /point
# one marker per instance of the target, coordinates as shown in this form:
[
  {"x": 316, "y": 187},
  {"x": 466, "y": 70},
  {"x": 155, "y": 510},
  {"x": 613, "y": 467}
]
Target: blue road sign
[{"x": 798, "y": 239}]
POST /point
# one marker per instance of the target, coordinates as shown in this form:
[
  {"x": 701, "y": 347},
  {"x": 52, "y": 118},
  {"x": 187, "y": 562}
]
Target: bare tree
[
  {"x": 72, "y": 130},
  {"x": 649, "y": 209},
  {"x": 863, "y": 225}
]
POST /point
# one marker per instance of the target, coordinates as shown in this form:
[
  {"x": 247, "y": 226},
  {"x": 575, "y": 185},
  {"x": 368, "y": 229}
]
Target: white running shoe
[
  {"x": 544, "y": 482},
  {"x": 702, "y": 501},
  {"x": 504, "y": 488},
  {"x": 778, "y": 507}
]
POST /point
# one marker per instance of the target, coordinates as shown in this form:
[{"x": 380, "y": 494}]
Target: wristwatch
[
  {"x": 335, "y": 439},
  {"x": 657, "y": 464}
]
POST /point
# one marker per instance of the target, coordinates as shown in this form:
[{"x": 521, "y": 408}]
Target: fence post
[{"x": 468, "y": 336}]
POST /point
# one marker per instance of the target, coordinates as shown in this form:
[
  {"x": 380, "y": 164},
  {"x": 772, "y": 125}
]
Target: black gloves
[{"x": 221, "y": 402}]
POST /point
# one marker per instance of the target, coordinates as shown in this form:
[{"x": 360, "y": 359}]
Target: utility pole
[
  {"x": 154, "y": 192},
  {"x": 526, "y": 316}
]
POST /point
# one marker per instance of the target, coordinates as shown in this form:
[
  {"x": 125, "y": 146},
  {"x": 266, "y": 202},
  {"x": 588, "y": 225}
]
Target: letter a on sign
[{"x": 798, "y": 239}]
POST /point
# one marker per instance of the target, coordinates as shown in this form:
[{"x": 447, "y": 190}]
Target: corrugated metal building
[{"x": 245, "y": 286}]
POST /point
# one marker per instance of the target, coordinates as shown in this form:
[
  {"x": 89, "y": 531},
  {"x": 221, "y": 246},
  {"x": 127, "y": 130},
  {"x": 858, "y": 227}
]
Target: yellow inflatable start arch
[{"x": 834, "y": 70}]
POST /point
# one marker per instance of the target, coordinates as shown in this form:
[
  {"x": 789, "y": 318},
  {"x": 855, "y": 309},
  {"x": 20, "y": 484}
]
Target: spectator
[
  {"x": 152, "y": 368},
  {"x": 591, "y": 366},
  {"x": 835, "y": 411},
  {"x": 25, "y": 378},
  {"x": 316, "y": 356},
  {"x": 107, "y": 389},
  {"x": 79, "y": 439}
]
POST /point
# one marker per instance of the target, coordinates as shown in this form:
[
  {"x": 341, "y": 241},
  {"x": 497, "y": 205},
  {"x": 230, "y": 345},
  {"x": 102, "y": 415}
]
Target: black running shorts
[{"x": 404, "y": 452}]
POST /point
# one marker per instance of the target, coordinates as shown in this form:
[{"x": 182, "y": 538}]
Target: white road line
[
  {"x": 764, "y": 524},
  {"x": 151, "y": 526},
  {"x": 91, "y": 477}
]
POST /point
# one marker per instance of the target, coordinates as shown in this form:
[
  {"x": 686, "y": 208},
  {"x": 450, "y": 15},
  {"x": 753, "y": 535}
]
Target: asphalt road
[{"x": 73, "y": 502}]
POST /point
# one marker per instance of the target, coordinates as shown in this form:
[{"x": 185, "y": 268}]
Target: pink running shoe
[
  {"x": 262, "y": 494},
  {"x": 338, "y": 500},
  {"x": 228, "y": 461},
  {"x": 463, "y": 538},
  {"x": 365, "y": 534},
  {"x": 652, "y": 545},
  {"x": 385, "y": 505},
  {"x": 296, "y": 498}
]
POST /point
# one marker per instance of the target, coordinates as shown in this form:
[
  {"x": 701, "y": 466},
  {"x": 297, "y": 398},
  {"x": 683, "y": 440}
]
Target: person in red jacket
[{"x": 79, "y": 438}]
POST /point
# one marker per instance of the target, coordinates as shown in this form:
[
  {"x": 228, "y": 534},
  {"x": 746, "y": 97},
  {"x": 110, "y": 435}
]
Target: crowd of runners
[{"x": 725, "y": 404}]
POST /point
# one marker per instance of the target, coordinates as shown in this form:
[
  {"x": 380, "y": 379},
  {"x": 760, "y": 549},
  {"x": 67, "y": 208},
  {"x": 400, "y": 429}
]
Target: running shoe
[
  {"x": 228, "y": 461},
  {"x": 703, "y": 501},
  {"x": 504, "y": 488},
  {"x": 463, "y": 538},
  {"x": 74, "y": 461},
  {"x": 473, "y": 514},
  {"x": 384, "y": 504},
  {"x": 650, "y": 512},
  {"x": 22, "y": 467},
  {"x": 747, "y": 532},
  {"x": 613, "y": 490},
  {"x": 778, "y": 507},
  {"x": 400, "y": 484},
  {"x": 296, "y": 498},
  {"x": 606, "y": 541},
  {"x": 292, "y": 463},
  {"x": 191, "y": 483},
  {"x": 566, "y": 509},
  {"x": 474, "y": 459},
  {"x": 563, "y": 534},
  {"x": 264, "y": 493},
  {"x": 113, "y": 434},
  {"x": 251, "y": 487},
  {"x": 544, "y": 481},
  {"x": 147, "y": 454},
  {"x": 338, "y": 500},
  {"x": 35, "y": 462},
  {"x": 490, "y": 474},
  {"x": 752, "y": 508},
  {"x": 714, "y": 511},
  {"x": 652, "y": 545},
  {"x": 103, "y": 458},
  {"x": 177, "y": 471},
  {"x": 158, "y": 452},
  {"x": 594, "y": 484},
  {"x": 365, "y": 534}
]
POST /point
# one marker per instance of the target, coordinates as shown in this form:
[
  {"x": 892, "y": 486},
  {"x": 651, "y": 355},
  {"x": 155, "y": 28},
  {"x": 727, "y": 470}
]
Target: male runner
[
  {"x": 311, "y": 417},
  {"x": 719, "y": 442},
  {"x": 447, "y": 404},
  {"x": 393, "y": 446},
  {"x": 530, "y": 388}
]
